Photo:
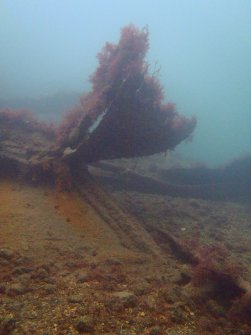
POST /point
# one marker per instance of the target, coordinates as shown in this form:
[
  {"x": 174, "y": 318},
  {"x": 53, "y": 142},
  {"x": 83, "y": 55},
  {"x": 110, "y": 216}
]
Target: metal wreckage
[{"x": 122, "y": 116}]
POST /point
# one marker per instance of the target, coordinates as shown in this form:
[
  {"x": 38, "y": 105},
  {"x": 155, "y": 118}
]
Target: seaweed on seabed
[
  {"x": 218, "y": 275},
  {"x": 25, "y": 119}
]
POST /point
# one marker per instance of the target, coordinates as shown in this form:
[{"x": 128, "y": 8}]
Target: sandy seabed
[{"x": 66, "y": 269}]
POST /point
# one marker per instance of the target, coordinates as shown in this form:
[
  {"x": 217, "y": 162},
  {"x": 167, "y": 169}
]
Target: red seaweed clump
[
  {"x": 124, "y": 115},
  {"x": 69, "y": 122},
  {"x": 26, "y": 120},
  {"x": 218, "y": 273}
]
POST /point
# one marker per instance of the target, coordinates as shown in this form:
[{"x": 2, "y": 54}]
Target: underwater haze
[{"x": 203, "y": 50}]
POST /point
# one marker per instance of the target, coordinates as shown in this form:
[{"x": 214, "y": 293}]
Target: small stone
[
  {"x": 16, "y": 289},
  {"x": 65, "y": 273},
  {"x": 2, "y": 288},
  {"x": 150, "y": 302},
  {"x": 6, "y": 253},
  {"x": 71, "y": 264},
  {"x": 49, "y": 288},
  {"x": 20, "y": 261},
  {"x": 40, "y": 274},
  {"x": 141, "y": 289},
  {"x": 82, "y": 276},
  {"x": 93, "y": 265},
  {"x": 178, "y": 313},
  {"x": 155, "y": 331},
  {"x": 21, "y": 270},
  {"x": 46, "y": 267},
  {"x": 84, "y": 325},
  {"x": 51, "y": 280},
  {"x": 182, "y": 279},
  {"x": 24, "y": 279},
  {"x": 16, "y": 307},
  {"x": 128, "y": 298},
  {"x": 7, "y": 325},
  {"x": 112, "y": 261},
  {"x": 214, "y": 308},
  {"x": 4, "y": 262},
  {"x": 75, "y": 299},
  {"x": 194, "y": 203}
]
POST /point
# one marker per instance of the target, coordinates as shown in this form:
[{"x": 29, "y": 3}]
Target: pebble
[
  {"x": 7, "y": 325},
  {"x": 150, "y": 302},
  {"x": 51, "y": 280},
  {"x": 141, "y": 289},
  {"x": 128, "y": 298},
  {"x": 194, "y": 203},
  {"x": 82, "y": 276},
  {"x": 49, "y": 288},
  {"x": 20, "y": 270},
  {"x": 6, "y": 253},
  {"x": 155, "y": 331},
  {"x": 40, "y": 274},
  {"x": 4, "y": 262},
  {"x": 2, "y": 288},
  {"x": 21, "y": 260},
  {"x": 24, "y": 279},
  {"x": 75, "y": 299},
  {"x": 112, "y": 261},
  {"x": 182, "y": 278},
  {"x": 178, "y": 313},
  {"x": 84, "y": 324},
  {"x": 16, "y": 289}
]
